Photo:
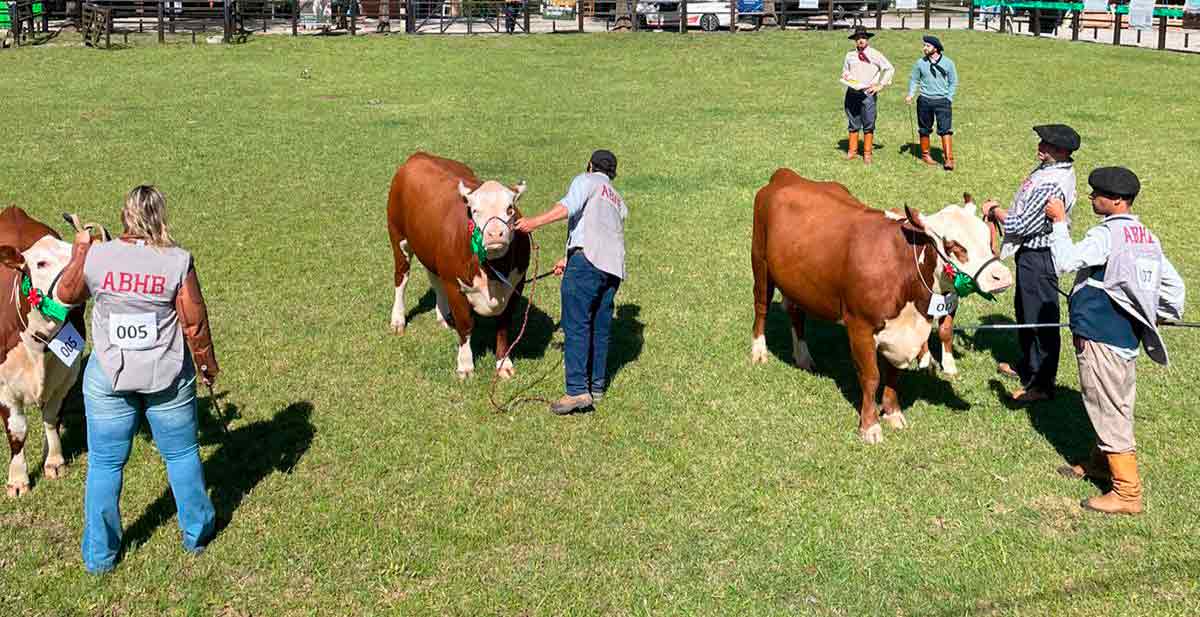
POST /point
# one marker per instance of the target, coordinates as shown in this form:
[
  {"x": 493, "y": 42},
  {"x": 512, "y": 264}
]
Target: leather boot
[
  {"x": 852, "y": 149},
  {"x": 1126, "y": 494},
  {"x": 925, "y": 158},
  {"x": 948, "y": 152},
  {"x": 868, "y": 146},
  {"x": 1095, "y": 467}
]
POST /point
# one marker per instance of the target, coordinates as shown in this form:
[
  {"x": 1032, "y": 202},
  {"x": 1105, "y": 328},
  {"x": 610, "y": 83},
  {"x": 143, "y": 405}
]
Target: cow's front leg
[
  {"x": 946, "y": 336},
  {"x": 892, "y": 414},
  {"x": 55, "y": 464},
  {"x": 443, "y": 304},
  {"x": 460, "y": 307},
  {"x": 16, "y": 429},
  {"x": 504, "y": 363},
  {"x": 862, "y": 348}
]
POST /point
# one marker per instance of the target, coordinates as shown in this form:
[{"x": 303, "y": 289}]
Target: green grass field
[{"x": 361, "y": 477}]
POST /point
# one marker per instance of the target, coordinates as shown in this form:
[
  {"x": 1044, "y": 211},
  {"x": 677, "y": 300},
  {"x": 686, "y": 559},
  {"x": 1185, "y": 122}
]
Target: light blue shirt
[
  {"x": 932, "y": 82},
  {"x": 576, "y": 198}
]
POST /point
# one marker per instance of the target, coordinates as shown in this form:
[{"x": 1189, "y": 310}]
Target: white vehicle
[{"x": 708, "y": 16}]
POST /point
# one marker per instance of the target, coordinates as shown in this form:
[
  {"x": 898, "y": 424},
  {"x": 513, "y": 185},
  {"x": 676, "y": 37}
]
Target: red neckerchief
[{"x": 862, "y": 55}]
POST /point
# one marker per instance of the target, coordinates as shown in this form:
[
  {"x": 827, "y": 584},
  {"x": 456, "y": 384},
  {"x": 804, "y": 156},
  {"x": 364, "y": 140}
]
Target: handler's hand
[
  {"x": 908, "y": 99},
  {"x": 560, "y": 266},
  {"x": 83, "y": 236},
  {"x": 987, "y": 209},
  {"x": 525, "y": 224},
  {"x": 874, "y": 89},
  {"x": 1056, "y": 211}
]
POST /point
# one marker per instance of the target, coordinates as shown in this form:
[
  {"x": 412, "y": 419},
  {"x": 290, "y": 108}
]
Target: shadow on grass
[
  {"x": 425, "y": 305},
  {"x": 914, "y": 150},
  {"x": 844, "y": 146},
  {"x": 534, "y": 341},
  {"x": 628, "y": 338},
  {"x": 1062, "y": 420},
  {"x": 244, "y": 457},
  {"x": 831, "y": 352},
  {"x": 1002, "y": 344}
]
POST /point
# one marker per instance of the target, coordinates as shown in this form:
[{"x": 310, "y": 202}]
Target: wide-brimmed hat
[{"x": 860, "y": 32}]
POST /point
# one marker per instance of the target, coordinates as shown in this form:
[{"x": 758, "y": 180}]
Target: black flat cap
[
  {"x": 1117, "y": 181},
  {"x": 1059, "y": 135},
  {"x": 605, "y": 161},
  {"x": 860, "y": 32},
  {"x": 933, "y": 40}
]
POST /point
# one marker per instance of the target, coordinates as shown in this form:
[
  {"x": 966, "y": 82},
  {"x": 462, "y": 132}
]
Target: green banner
[{"x": 1120, "y": 9}]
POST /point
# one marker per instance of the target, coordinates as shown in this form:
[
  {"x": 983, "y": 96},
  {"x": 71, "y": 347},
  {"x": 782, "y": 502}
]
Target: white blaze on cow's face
[
  {"x": 45, "y": 260},
  {"x": 966, "y": 240},
  {"x": 493, "y": 207}
]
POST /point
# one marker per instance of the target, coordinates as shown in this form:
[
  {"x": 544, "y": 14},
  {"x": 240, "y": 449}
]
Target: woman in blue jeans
[{"x": 148, "y": 311}]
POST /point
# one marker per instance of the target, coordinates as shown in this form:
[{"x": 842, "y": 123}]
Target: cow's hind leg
[
  {"x": 800, "y": 353},
  {"x": 892, "y": 413},
  {"x": 764, "y": 290},
  {"x": 403, "y": 263},
  {"x": 866, "y": 360},
  {"x": 16, "y": 429}
]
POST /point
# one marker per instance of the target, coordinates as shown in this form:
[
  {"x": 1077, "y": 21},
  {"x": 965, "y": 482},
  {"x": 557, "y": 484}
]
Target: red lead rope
[{"x": 512, "y": 403}]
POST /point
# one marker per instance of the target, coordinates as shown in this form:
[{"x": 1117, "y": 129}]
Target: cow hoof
[
  {"x": 806, "y": 364},
  {"x": 758, "y": 351},
  {"x": 895, "y": 420},
  {"x": 872, "y": 435},
  {"x": 950, "y": 372},
  {"x": 506, "y": 372},
  {"x": 397, "y": 328},
  {"x": 463, "y": 374},
  {"x": 17, "y": 489},
  {"x": 54, "y": 471}
]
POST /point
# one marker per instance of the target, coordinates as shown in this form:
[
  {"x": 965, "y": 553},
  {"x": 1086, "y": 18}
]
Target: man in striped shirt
[{"x": 1027, "y": 235}]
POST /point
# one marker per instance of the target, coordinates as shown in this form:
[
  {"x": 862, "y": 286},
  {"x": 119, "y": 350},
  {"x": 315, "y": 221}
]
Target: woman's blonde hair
[{"x": 145, "y": 216}]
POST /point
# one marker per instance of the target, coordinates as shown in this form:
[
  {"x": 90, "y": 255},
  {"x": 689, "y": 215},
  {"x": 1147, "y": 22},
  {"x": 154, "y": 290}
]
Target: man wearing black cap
[
  {"x": 864, "y": 73},
  {"x": 937, "y": 79},
  {"x": 592, "y": 271},
  {"x": 1124, "y": 286},
  {"x": 1027, "y": 235}
]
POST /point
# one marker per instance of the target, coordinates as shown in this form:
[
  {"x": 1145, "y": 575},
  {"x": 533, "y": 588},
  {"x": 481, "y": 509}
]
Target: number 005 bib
[{"x": 133, "y": 330}]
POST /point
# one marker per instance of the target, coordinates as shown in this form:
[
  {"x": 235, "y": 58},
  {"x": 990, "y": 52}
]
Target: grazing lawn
[{"x": 359, "y": 476}]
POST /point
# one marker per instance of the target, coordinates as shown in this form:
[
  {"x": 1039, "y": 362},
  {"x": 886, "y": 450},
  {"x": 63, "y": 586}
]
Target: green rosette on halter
[
  {"x": 477, "y": 243},
  {"x": 38, "y": 300},
  {"x": 964, "y": 286}
]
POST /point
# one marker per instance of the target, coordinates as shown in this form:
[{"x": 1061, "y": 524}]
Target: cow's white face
[
  {"x": 967, "y": 241},
  {"x": 493, "y": 208},
  {"x": 45, "y": 260}
]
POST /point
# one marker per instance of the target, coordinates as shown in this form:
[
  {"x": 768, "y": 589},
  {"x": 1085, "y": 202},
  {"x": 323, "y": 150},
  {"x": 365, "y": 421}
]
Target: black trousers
[{"x": 1037, "y": 302}]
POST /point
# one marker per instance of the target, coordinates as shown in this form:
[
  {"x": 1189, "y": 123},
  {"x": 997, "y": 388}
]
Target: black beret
[
  {"x": 1059, "y": 135},
  {"x": 932, "y": 40},
  {"x": 860, "y": 31},
  {"x": 605, "y": 161},
  {"x": 1116, "y": 181}
]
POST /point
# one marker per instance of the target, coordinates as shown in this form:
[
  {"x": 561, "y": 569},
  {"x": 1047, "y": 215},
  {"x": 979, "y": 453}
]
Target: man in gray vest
[
  {"x": 1027, "y": 235},
  {"x": 1124, "y": 286},
  {"x": 592, "y": 271}
]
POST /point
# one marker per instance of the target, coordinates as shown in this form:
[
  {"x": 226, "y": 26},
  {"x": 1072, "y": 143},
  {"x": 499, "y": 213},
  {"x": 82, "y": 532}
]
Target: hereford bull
[
  {"x": 435, "y": 205},
  {"x": 836, "y": 259},
  {"x": 29, "y": 374}
]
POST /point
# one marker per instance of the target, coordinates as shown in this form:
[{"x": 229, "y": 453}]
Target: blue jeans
[
  {"x": 112, "y": 421},
  {"x": 587, "y": 314}
]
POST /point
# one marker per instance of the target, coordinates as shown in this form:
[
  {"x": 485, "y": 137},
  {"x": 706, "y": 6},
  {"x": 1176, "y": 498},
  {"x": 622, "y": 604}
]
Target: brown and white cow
[
  {"x": 836, "y": 259},
  {"x": 29, "y": 374},
  {"x": 433, "y": 205}
]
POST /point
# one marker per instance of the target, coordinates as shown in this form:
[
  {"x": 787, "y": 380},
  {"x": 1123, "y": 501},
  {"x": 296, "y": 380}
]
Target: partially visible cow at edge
[
  {"x": 433, "y": 206},
  {"x": 838, "y": 260},
  {"x": 30, "y": 375}
]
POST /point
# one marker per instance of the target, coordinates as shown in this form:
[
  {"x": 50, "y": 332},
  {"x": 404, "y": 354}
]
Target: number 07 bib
[{"x": 133, "y": 330}]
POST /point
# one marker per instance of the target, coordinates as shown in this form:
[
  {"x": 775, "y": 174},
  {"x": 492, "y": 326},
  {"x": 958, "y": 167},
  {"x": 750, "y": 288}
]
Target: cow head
[
  {"x": 43, "y": 262},
  {"x": 965, "y": 241},
  {"x": 493, "y": 209}
]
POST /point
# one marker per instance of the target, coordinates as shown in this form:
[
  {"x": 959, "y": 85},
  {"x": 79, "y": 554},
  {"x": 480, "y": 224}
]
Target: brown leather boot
[
  {"x": 1126, "y": 494},
  {"x": 925, "y": 158},
  {"x": 868, "y": 147},
  {"x": 852, "y": 149},
  {"x": 948, "y": 152},
  {"x": 1095, "y": 467}
]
